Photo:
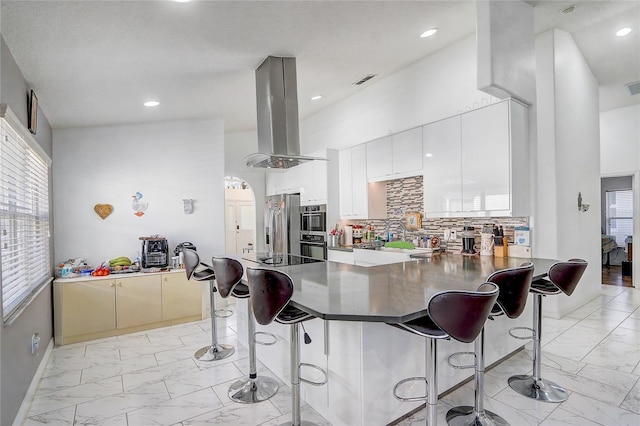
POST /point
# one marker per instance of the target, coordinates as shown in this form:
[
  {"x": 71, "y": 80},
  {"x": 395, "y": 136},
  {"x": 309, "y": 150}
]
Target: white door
[{"x": 240, "y": 226}]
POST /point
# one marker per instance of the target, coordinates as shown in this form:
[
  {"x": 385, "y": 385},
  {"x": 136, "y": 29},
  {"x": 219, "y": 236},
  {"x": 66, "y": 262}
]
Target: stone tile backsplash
[{"x": 406, "y": 196}]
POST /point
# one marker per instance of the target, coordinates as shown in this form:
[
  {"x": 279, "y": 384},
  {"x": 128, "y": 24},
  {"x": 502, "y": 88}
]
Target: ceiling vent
[
  {"x": 364, "y": 79},
  {"x": 634, "y": 88}
]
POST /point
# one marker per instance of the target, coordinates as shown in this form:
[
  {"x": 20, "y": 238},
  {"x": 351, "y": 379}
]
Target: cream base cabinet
[
  {"x": 138, "y": 301},
  {"x": 109, "y": 306},
  {"x": 181, "y": 298},
  {"x": 84, "y": 307}
]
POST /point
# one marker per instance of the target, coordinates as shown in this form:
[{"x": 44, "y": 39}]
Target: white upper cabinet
[
  {"x": 395, "y": 156},
  {"x": 476, "y": 164},
  {"x": 359, "y": 180},
  {"x": 407, "y": 152},
  {"x": 486, "y": 159},
  {"x": 308, "y": 179},
  {"x": 313, "y": 179},
  {"x": 353, "y": 182},
  {"x": 346, "y": 188},
  {"x": 378, "y": 159},
  {"x": 442, "y": 167},
  {"x": 276, "y": 182}
]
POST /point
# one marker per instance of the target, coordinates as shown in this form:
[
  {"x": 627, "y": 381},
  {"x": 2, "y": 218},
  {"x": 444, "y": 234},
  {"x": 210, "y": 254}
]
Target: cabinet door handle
[
  {"x": 113, "y": 284},
  {"x": 166, "y": 279},
  {"x": 119, "y": 283}
]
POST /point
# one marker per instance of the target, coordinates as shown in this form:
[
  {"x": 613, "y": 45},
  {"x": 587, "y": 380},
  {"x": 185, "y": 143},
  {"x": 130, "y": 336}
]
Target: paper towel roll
[{"x": 348, "y": 235}]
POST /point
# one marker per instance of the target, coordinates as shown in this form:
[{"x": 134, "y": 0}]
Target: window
[
  {"x": 620, "y": 214},
  {"x": 24, "y": 214}
]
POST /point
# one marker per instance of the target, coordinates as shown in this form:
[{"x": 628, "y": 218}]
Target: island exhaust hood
[{"x": 277, "y": 104}]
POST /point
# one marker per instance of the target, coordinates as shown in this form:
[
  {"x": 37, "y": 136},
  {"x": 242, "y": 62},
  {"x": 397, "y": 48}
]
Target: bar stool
[
  {"x": 563, "y": 277},
  {"x": 450, "y": 314},
  {"x": 251, "y": 389},
  {"x": 271, "y": 292},
  {"x": 202, "y": 272},
  {"x": 514, "y": 285}
]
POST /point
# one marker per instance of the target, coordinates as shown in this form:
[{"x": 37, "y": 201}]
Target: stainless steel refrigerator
[{"x": 282, "y": 224}]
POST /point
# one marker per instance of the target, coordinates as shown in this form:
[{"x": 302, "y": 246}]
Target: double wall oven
[{"x": 313, "y": 231}]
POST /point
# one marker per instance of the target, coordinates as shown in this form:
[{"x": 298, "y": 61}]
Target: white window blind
[
  {"x": 620, "y": 215},
  {"x": 24, "y": 218}
]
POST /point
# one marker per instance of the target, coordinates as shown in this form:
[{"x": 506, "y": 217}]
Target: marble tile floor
[
  {"x": 594, "y": 353},
  {"x": 151, "y": 378}
]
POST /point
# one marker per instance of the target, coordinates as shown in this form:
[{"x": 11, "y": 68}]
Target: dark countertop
[{"x": 389, "y": 293}]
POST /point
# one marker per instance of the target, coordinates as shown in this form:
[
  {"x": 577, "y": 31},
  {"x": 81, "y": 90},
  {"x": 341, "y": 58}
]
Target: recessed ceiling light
[
  {"x": 316, "y": 97},
  {"x": 623, "y": 32},
  {"x": 151, "y": 103},
  {"x": 428, "y": 155},
  {"x": 181, "y": 1},
  {"x": 429, "y": 33}
]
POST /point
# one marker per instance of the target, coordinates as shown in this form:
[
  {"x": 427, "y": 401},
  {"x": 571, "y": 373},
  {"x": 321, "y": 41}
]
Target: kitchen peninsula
[{"x": 364, "y": 356}]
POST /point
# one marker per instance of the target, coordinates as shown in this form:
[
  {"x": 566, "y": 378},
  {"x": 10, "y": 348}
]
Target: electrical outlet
[
  {"x": 450, "y": 234},
  {"x": 35, "y": 343}
]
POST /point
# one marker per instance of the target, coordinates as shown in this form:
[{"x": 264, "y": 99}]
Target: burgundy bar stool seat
[
  {"x": 514, "y": 285},
  {"x": 563, "y": 277},
  {"x": 250, "y": 389},
  {"x": 453, "y": 314},
  {"x": 199, "y": 271},
  {"x": 271, "y": 292}
]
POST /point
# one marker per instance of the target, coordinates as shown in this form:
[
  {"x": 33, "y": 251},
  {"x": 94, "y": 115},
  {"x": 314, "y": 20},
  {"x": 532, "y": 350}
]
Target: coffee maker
[
  {"x": 468, "y": 240},
  {"x": 155, "y": 252}
]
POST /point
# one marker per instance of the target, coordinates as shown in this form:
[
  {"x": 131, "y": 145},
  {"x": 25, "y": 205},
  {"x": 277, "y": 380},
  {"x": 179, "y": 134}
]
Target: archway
[{"x": 240, "y": 216}]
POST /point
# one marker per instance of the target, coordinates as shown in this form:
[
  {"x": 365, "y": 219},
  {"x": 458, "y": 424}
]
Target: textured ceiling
[{"x": 95, "y": 62}]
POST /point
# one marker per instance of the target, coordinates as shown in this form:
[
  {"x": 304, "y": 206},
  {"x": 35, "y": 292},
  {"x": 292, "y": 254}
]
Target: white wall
[
  {"x": 166, "y": 162},
  {"x": 620, "y": 155},
  {"x": 437, "y": 86},
  {"x": 237, "y": 146},
  {"x": 620, "y": 140},
  {"x": 568, "y": 162}
]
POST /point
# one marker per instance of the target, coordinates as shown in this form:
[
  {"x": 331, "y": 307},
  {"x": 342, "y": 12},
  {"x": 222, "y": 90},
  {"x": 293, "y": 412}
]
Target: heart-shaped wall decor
[{"x": 103, "y": 210}]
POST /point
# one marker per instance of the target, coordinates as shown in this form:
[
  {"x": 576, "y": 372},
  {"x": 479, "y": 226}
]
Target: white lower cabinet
[
  {"x": 340, "y": 256},
  {"x": 113, "y": 305}
]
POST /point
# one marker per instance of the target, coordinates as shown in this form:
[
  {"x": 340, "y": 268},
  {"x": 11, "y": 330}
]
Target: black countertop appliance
[
  {"x": 468, "y": 240},
  {"x": 155, "y": 252}
]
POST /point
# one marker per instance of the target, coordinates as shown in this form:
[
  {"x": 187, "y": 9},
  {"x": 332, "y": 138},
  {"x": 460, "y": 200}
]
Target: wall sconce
[
  {"x": 582, "y": 207},
  {"x": 188, "y": 205}
]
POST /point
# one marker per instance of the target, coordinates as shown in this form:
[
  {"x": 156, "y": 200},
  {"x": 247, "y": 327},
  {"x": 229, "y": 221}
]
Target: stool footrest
[
  {"x": 512, "y": 334},
  {"x": 414, "y": 398},
  {"x": 223, "y": 313},
  {"x": 451, "y": 363},
  {"x": 311, "y": 382},
  {"x": 258, "y": 342}
]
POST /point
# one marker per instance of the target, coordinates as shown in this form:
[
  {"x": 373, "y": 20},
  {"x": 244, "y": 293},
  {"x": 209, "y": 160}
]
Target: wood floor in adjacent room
[{"x": 613, "y": 276}]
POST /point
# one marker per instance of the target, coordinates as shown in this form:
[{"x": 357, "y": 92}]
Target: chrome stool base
[
  {"x": 214, "y": 352},
  {"x": 302, "y": 423},
  {"x": 467, "y": 416},
  {"x": 541, "y": 390},
  {"x": 249, "y": 391}
]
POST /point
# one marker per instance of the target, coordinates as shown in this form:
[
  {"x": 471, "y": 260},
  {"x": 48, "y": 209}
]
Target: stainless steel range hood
[{"x": 277, "y": 102}]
